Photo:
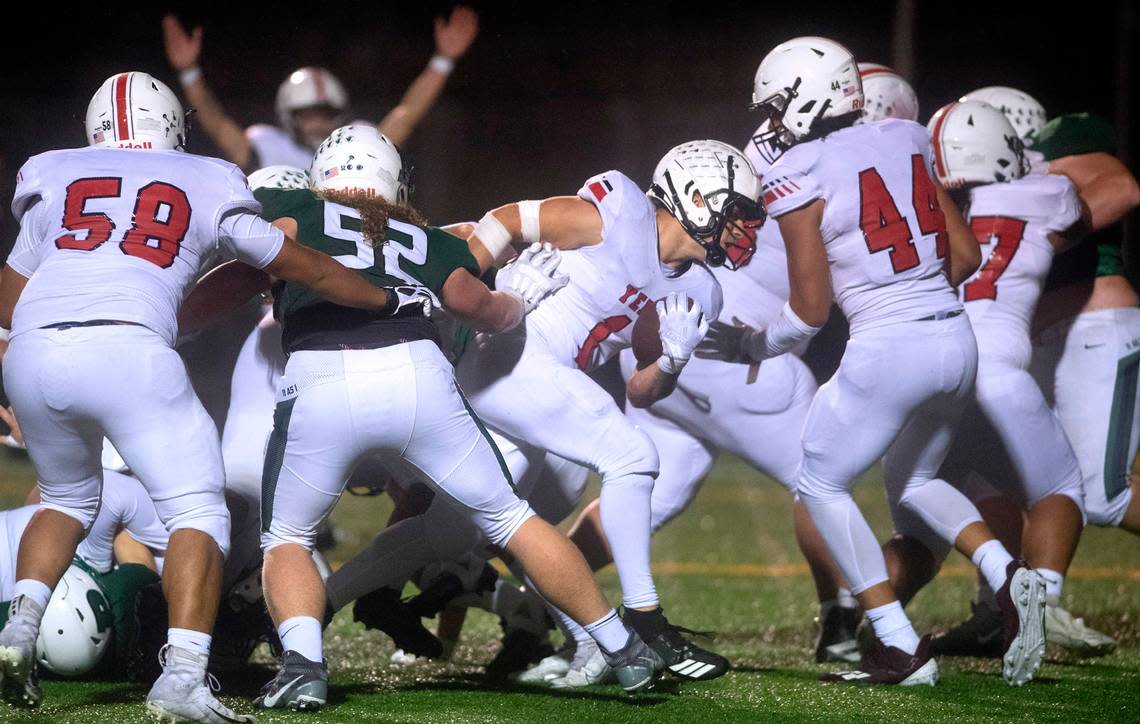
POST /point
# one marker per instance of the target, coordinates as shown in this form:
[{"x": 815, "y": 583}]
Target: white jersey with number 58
[
  {"x": 591, "y": 319},
  {"x": 121, "y": 234},
  {"x": 882, "y": 227}
]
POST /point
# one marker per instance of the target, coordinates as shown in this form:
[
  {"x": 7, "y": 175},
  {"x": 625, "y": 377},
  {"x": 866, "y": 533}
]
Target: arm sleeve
[
  {"x": 249, "y": 238},
  {"x": 789, "y": 185},
  {"x": 25, "y": 255},
  {"x": 1065, "y": 205}
]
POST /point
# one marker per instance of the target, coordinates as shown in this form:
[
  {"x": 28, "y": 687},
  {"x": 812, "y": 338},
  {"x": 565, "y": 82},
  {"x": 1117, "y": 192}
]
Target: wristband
[
  {"x": 441, "y": 64},
  {"x": 188, "y": 76},
  {"x": 670, "y": 366},
  {"x": 495, "y": 237},
  {"x": 786, "y": 332}
]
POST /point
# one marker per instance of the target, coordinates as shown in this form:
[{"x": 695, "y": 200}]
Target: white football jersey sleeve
[
  {"x": 612, "y": 282},
  {"x": 883, "y": 230},
  {"x": 1012, "y": 222},
  {"x": 122, "y": 234}
]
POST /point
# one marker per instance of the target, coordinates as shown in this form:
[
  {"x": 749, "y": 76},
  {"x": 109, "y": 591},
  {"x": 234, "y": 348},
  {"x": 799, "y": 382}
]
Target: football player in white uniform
[
  {"x": 861, "y": 218},
  {"x": 311, "y": 102},
  {"x": 92, "y": 320},
  {"x": 622, "y": 251},
  {"x": 1020, "y": 220}
]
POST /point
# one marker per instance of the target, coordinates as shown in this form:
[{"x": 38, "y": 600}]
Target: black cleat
[
  {"x": 520, "y": 650},
  {"x": 681, "y": 657},
  {"x": 384, "y": 611},
  {"x": 300, "y": 685},
  {"x": 980, "y": 635},
  {"x": 837, "y": 640}
]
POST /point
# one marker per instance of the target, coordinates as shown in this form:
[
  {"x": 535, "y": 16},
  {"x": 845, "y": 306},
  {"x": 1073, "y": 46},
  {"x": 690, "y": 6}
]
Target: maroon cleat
[
  {"x": 891, "y": 665},
  {"x": 1021, "y": 602}
]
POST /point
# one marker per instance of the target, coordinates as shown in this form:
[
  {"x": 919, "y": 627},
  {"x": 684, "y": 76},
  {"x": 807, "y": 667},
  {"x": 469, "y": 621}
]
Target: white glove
[
  {"x": 532, "y": 275},
  {"x": 410, "y": 297},
  {"x": 681, "y": 328}
]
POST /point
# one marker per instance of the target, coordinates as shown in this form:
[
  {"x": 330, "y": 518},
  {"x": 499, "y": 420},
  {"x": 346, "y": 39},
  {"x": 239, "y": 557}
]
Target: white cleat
[
  {"x": 183, "y": 692},
  {"x": 554, "y": 666},
  {"x": 1022, "y": 601},
  {"x": 1073, "y": 635},
  {"x": 589, "y": 667}
]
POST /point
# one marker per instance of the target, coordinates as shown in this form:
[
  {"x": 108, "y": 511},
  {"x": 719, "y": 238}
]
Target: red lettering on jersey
[
  {"x": 636, "y": 304},
  {"x": 598, "y": 190},
  {"x": 75, "y": 218},
  {"x": 931, "y": 219},
  {"x": 162, "y": 215},
  {"x": 598, "y": 334},
  {"x": 1008, "y": 233},
  {"x": 883, "y": 226},
  {"x": 630, "y": 290}
]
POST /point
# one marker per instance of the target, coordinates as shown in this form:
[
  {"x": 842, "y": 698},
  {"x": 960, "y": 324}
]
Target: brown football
[{"x": 645, "y": 339}]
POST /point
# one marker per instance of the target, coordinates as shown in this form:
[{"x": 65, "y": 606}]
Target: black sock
[{"x": 647, "y": 624}]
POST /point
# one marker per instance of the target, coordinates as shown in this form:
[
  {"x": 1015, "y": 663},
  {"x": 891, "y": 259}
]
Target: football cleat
[
  {"x": 184, "y": 691},
  {"x": 635, "y": 665},
  {"x": 980, "y": 635},
  {"x": 19, "y": 673},
  {"x": 589, "y": 667},
  {"x": 1073, "y": 635},
  {"x": 384, "y": 611},
  {"x": 836, "y": 641},
  {"x": 552, "y": 667},
  {"x": 681, "y": 657},
  {"x": 891, "y": 665},
  {"x": 300, "y": 685},
  {"x": 1021, "y": 603}
]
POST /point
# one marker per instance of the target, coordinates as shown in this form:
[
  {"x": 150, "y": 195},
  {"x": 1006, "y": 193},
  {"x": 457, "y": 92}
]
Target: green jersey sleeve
[{"x": 1075, "y": 134}]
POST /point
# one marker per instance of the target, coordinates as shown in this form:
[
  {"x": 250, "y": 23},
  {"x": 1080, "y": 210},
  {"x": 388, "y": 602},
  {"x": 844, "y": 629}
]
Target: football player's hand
[
  {"x": 681, "y": 326},
  {"x": 182, "y": 48},
  {"x": 410, "y": 297},
  {"x": 454, "y": 35},
  {"x": 533, "y": 275},
  {"x": 15, "y": 438},
  {"x": 728, "y": 342}
]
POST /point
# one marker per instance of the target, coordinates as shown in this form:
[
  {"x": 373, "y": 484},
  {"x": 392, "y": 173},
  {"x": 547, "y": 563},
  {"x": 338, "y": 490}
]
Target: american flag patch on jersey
[
  {"x": 99, "y": 136},
  {"x": 330, "y": 172},
  {"x": 600, "y": 188},
  {"x": 779, "y": 188}
]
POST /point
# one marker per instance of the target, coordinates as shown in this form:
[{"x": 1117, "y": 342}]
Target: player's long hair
[{"x": 375, "y": 212}]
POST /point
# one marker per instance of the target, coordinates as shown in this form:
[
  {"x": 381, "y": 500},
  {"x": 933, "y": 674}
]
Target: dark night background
[{"x": 550, "y": 95}]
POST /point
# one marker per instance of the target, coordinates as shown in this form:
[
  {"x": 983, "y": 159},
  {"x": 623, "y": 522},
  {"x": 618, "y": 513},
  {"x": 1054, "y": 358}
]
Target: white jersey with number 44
[
  {"x": 883, "y": 230},
  {"x": 121, "y": 234},
  {"x": 592, "y": 318}
]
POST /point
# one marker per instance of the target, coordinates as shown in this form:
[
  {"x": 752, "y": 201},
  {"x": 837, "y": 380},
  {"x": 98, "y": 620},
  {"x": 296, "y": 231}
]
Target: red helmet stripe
[
  {"x": 121, "y": 108},
  {"x": 872, "y": 71},
  {"x": 936, "y": 136}
]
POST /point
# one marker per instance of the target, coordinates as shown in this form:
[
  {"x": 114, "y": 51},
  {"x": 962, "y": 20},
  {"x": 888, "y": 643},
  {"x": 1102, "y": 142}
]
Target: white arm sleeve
[
  {"x": 249, "y": 238},
  {"x": 25, "y": 256}
]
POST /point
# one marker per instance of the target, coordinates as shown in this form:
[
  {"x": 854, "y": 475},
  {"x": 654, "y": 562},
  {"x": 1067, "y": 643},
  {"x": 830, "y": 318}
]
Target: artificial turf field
[{"x": 729, "y": 565}]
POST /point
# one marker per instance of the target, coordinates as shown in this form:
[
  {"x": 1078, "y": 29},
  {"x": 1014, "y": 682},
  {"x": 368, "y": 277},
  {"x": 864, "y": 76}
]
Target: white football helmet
[
  {"x": 360, "y": 157},
  {"x": 135, "y": 110},
  {"x": 706, "y": 186},
  {"x": 1022, "y": 109},
  {"x": 76, "y": 627},
  {"x": 308, "y": 87},
  {"x": 800, "y": 82},
  {"x": 975, "y": 143},
  {"x": 279, "y": 177},
  {"x": 886, "y": 94}
]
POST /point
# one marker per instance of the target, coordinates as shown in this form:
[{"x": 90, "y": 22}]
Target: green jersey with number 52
[{"x": 409, "y": 256}]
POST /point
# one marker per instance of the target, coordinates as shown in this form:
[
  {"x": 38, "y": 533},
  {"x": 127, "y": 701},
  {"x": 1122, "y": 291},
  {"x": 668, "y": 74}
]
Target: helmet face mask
[{"x": 721, "y": 212}]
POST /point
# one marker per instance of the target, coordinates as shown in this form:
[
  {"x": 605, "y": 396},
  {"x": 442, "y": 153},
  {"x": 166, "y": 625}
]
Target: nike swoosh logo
[
  {"x": 1094, "y": 346},
  {"x": 271, "y": 701}
]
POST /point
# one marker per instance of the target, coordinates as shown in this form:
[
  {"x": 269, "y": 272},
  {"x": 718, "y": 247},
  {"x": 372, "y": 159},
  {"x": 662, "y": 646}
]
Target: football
[{"x": 645, "y": 341}]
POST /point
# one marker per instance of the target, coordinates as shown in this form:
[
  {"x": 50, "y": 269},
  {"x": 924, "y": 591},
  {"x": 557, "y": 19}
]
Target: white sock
[
  {"x": 190, "y": 640},
  {"x": 35, "y": 591},
  {"x": 893, "y": 627},
  {"x": 992, "y": 559},
  {"x": 303, "y": 635},
  {"x": 627, "y": 522},
  {"x": 844, "y": 598},
  {"x": 1054, "y": 581},
  {"x": 609, "y": 632}
]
